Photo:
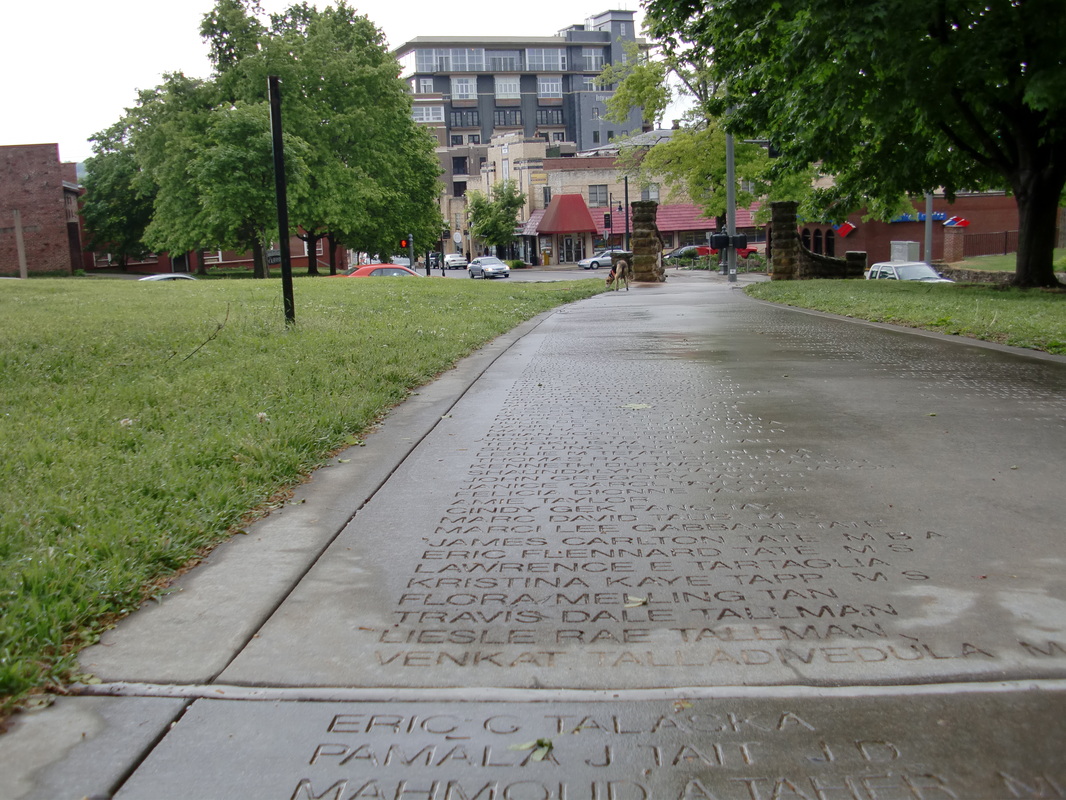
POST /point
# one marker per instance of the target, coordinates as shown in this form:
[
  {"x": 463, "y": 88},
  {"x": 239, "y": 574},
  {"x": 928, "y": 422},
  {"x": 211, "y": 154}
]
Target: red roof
[
  {"x": 531, "y": 224},
  {"x": 680, "y": 217},
  {"x": 567, "y": 213}
]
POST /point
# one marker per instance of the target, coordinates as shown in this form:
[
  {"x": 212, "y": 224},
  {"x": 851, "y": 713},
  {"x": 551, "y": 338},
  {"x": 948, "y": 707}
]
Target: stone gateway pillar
[
  {"x": 785, "y": 245},
  {"x": 647, "y": 244}
]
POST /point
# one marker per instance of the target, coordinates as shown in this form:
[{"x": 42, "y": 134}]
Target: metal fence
[{"x": 989, "y": 244}]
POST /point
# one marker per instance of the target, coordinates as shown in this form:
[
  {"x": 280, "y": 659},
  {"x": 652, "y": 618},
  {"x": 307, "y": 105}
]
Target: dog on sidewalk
[{"x": 620, "y": 274}]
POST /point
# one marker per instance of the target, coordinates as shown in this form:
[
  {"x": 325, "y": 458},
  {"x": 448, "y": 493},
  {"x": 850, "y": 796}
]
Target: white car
[
  {"x": 600, "y": 259},
  {"x": 454, "y": 261},
  {"x": 905, "y": 271}
]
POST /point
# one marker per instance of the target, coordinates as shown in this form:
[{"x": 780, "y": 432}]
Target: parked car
[
  {"x": 488, "y": 267},
  {"x": 454, "y": 261},
  {"x": 600, "y": 259},
  {"x": 687, "y": 254},
  {"x": 905, "y": 271},
  {"x": 379, "y": 271},
  {"x": 168, "y": 276}
]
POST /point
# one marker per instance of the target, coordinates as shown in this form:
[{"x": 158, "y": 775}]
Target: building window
[
  {"x": 550, "y": 116},
  {"x": 592, "y": 58},
  {"x": 458, "y": 59},
  {"x": 549, "y": 86},
  {"x": 425, "y": 86},
  {"x": 464, "y": 88},
  {"x": 474, "y": 138},
  {"x": 457, "y": 139},
  {"x": 428, "y": 113},
  {"x": 806, "y": 238},
  {"x": 558, "y": 136},
  {"x": 587, "y": 83},
  {"x": 547, "y": 190},
  {"x": 506, "y": 171},
  {"x": 458, "y": 188},
  {"x": 507, "y": 87},
  {"x": 504, "y": 60},
  {"x": 650, "y": 193},
  {"x": 830, "y": 243},
  {"x": 817, "y": 242},
  {"x": 507, "y": 119},
  {"x": 459, "y": 165},
  {"x": 464, "y": 119},
  {"x": 549, "y": 58},
  {"x": 598, "y": 195},
  {"x": 595, "y": 137}
]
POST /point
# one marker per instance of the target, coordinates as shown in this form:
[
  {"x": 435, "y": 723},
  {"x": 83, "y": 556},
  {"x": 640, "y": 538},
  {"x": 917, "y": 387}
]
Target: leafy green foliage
[
  {"x": 896, "y": 97},
  {"x": 493, "y": 219},
  {"x": 115, "y": 212},
  {"x": 359, "y": 169}
]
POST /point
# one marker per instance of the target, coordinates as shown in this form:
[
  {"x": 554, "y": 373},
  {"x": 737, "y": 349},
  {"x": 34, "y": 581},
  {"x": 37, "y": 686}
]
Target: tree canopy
[
  {"x": 360, "y": 170},
  {"x": 493, "y": 218},
  {"x": 896, "y": 97}
]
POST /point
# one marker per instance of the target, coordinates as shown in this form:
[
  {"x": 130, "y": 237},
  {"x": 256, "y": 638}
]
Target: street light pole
[
  {"x": 730, "y": 205},
  {"x": 626, "y": 181}
]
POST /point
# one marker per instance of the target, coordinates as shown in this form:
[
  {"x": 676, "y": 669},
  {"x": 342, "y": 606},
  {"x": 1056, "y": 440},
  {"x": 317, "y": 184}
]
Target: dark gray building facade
[{"x": 469, "y": 88}]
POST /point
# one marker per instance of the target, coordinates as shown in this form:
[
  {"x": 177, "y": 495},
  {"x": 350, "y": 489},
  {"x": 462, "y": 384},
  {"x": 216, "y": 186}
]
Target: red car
[{"x": 379, "y": 271}]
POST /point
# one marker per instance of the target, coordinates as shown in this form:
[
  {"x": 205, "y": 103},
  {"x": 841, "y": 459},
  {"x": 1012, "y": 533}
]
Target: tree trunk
[
  {"x": 332, "y": 254},
  {"x": 259, "y": 267},
  {"x": 312, "y": 255},
  {"x": 1037, "y": 193}
]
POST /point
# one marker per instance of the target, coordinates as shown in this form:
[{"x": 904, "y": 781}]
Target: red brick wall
[
  {"x": 31, "y": 181},
  {"x": 986, "y": 213}
]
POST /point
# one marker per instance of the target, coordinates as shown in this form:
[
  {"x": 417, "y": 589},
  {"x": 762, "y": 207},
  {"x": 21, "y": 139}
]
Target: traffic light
[
  {"x": 607, "y": 221},
  {"x": 405, "y": 243}
]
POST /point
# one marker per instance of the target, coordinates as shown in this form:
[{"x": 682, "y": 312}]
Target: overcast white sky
[{"x": 70, "y": 67}]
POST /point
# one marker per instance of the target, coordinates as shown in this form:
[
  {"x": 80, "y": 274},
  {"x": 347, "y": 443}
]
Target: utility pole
[{"x": 731, "y": 206}]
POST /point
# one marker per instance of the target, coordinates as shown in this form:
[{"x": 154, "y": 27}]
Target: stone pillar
[
  {"x": 856, "y": 263},
  {"x": 646, "y": 244},
  {"x": 953, "y": 241},
  {"x": 785, "y": 244}
]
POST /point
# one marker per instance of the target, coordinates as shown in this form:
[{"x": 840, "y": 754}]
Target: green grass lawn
[
  {"x": 142, "y": 422},
  {"x": 1007, "y": 263},
  {"x": 1030, "y": 318}
]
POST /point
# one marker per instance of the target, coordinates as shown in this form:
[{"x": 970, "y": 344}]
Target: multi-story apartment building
[{"x": 468, "y": 89}]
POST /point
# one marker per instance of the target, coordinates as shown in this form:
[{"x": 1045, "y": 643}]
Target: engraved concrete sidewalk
[{"x": 664, "y": 543}]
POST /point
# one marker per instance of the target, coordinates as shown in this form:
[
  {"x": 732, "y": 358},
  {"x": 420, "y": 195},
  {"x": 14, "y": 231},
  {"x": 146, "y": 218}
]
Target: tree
[
  {"x": 116, "y": 212},
  {"x": 371, "y": 170},
  {"x": 691, "y": 162},
  {"x": 897, "y": 97},
  {"x": 493, "y": 219},
  {"x": 360, "y": 170}
]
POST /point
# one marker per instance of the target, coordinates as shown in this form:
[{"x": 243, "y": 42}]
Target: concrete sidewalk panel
[
  {"x": 80, "y": 747},
  {"x": 690, "y": 488},
  {"x": 933, "y": 745}
]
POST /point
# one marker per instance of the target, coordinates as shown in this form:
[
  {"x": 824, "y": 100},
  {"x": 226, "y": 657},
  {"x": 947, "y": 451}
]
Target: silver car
[
  {"x": 600, "y": 259},
  {"x": 488, "y": 267}
]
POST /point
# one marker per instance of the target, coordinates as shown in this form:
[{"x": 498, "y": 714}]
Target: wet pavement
[{"x": 670, "y": 542}]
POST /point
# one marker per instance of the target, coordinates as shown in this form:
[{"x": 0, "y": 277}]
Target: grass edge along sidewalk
[
  {"x": 1029, "y": 318},
  {"x": 142, "y": 423}
]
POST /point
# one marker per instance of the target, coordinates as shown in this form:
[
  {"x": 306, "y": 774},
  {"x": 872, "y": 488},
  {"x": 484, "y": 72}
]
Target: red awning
[{"x": 567, "y": 213}]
